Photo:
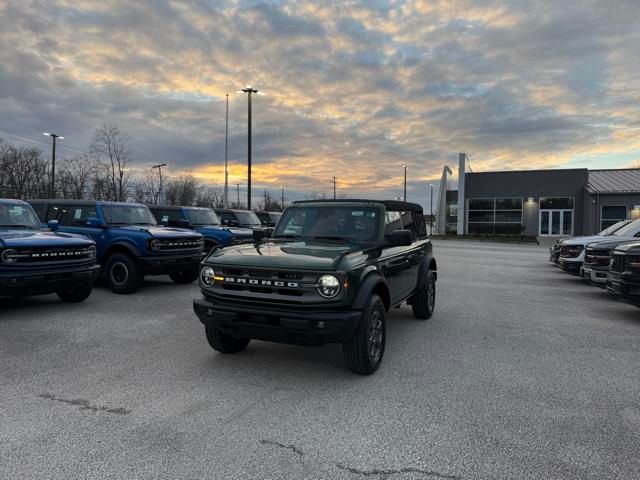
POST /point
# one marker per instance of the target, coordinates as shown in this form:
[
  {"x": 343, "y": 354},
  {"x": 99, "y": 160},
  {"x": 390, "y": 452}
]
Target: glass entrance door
[{"x": 556, "y": 222}]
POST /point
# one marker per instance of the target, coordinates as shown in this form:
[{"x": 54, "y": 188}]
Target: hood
[
  {"x": 283, "y": 255},
  {"x": 162, "y": 232},
  {"x": 611, "y": 242},
  {"x": 584, "y": 240},
  {"x": 40, "y": 238},
  {"x": 237, "y": 232},
  {"x": 632, "y": 247}
]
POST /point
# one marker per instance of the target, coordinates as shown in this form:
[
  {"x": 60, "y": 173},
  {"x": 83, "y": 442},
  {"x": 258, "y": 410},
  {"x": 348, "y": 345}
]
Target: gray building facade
[{"x": 546, "y": 203}]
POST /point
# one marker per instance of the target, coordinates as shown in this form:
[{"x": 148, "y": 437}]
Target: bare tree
[
  {"x": 181, "y": 191},
  {"x": 23, "y": 171},
  {"x": 109, "y": 146},
  {"x": 75, "y": 175},
  {"x": 210, "y": 197},
  {"x": 146, "y": 189}
]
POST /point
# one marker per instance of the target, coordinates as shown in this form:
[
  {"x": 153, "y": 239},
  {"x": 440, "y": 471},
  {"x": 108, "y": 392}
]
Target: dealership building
[{"x": 540, "y": 203}]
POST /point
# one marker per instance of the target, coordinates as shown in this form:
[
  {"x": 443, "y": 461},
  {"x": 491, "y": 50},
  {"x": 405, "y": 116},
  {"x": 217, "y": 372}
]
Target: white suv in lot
[
  {"x": 572, "y": 250},
  {"x": 554, "y": 250}
]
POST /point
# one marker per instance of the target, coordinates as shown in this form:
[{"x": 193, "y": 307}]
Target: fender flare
[
  {"x": 427, "y": 263},
  {"x": 123, "y": 245},
  {"x": 367, "y": 286}
]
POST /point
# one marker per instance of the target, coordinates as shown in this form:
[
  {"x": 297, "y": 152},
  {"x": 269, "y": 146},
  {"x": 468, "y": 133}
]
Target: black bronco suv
[{"x": 329, "y": 274}]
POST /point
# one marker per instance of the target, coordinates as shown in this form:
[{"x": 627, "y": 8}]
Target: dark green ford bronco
[{"x": 329, "y": 274}]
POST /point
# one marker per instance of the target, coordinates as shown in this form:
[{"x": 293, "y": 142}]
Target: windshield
[
  {"x": 128, "y": 215},
  {"x": 18, "y": 216},
  {"x": 329, "y": 222},
  {"x": 247, "y": 218},
  {"x": 614, "y": 228},
  {"x": 628, "y": 230},
  {"x": 204, "y": 216}
]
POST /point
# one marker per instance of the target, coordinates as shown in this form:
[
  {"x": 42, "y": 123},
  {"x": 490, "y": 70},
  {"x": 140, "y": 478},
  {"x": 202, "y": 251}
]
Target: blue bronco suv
[
  {"x": 34, "y": 261},
  {"x": 130, "y": 243},
  {"x": 205, "y": 221}
]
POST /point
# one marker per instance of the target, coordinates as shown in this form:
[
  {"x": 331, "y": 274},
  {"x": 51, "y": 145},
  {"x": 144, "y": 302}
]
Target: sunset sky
[{"x": 353, "y": 89}]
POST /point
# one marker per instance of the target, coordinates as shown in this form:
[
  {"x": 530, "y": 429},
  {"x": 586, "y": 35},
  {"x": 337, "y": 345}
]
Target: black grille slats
[
  {"x": 180, "y": 244},
  {"x": 59, "y": 254}
]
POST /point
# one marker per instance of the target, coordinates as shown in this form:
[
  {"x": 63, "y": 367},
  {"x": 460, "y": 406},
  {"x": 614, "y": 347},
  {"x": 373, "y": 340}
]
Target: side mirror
[
  {"x": 54, "y": 225},
  {"x": 259, "y": 235},
  {"x": 164, "y": 222},
  {"x": 94, "y": 222},
  {"x": 400, "y": 238}
]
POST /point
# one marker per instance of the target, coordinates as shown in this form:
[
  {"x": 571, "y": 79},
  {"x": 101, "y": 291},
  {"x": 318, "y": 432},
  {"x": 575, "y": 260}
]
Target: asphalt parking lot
[{"x": 523, "y": 372}]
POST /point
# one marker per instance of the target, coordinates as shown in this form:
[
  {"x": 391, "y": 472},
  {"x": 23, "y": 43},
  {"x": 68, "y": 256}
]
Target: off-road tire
[
  {"x": 75, "y": 295},
  {"x": 364, "y": 351},
  {"x": 185, "y": 277},
  {"x": 122, "y": 273},
  {"x": 424, "y": 300},
  {"x": 224, "y": 343}
]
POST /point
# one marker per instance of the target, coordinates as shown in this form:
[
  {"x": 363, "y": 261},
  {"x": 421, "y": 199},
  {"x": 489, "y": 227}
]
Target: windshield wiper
[
  {"x": 331, "y": 237},
  {"x": 16, "y": 225},
  {"x": 288, "y": 235}
]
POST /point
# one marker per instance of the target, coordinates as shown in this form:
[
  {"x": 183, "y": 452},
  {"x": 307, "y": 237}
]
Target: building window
[
  {"x": 494, "y": 216},
  {"x": 612, "y": 214},
  {"x": 452, "y": 218},
  {"x": 556, "y": 216}
]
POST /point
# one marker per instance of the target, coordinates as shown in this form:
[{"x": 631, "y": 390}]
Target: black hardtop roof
[
  {"x": 388, "y": 204},
  {"x": 83, "y": 202},
  {"x": 231, "y": 210},
  {"x": 176, "y": 207}
]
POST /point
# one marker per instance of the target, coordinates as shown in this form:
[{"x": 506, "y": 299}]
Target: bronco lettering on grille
[{"x": 262, "y": 283}]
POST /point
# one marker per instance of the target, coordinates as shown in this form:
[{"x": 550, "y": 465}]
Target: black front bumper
[
  {"x": 277, "y": 325},
  {"x": 27, "y": 283},
  {"x": 570, "y": 266},
  {"x": 625, "y": 287},
  {"x": 165, "y": 264}
]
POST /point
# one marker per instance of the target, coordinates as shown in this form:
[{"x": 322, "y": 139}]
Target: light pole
[
  {"x": 249, "y": 91},
  {"x": 282, "y": 200},
  {"x": 238, "y": 193},
  {"x": 334, "y": 181},
  {"x": 405, "y": 182},
  {"x": 226, "y": 148},
  {"x": 431, "y": 206},
  {"x": 52, "y": 188}
]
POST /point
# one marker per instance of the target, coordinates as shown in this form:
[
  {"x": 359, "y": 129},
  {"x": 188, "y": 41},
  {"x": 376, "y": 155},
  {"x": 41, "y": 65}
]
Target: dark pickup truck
[
  {"x": 329, "y": 274},
  {"x": 623, "y": 279}
]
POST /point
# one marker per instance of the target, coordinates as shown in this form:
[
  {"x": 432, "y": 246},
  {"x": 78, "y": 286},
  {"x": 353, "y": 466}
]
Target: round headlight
[
  {"x": 9, "y": 256},
  {"x": 154, "y": 244},
  {"x": 91, "y": 251},
  {"x": 328, "y": 286},
  {"x": 206, "y": 276}
]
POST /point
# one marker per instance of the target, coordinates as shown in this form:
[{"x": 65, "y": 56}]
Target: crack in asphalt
[
  {"x": 85, "y": 404},
  {"x": 369, "y": 473},
  {"x": 293, "y": 448}
]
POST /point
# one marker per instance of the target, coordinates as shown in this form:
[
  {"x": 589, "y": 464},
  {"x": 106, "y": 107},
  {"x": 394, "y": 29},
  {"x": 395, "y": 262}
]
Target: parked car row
[
  {"x": 61, "y": 246},
  {"x": 610, "y": 259}
]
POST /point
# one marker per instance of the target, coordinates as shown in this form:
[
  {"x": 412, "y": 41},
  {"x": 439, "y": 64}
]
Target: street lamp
[
  {"x": 405, "y": 181},
  {"x": 282, "y": 201},
  {"x": 431, "y": 206},
  {"x": 52, "y": 189},
  {"x": 249, "y": 90},
  {"x": 159, "y": 167}
]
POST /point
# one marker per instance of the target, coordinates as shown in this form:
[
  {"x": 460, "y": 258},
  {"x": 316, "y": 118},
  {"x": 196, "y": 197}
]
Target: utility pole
[
  {"x": 405, "y": 182},
  {"x": 249, "y": 91},
  {"x": 226, "y": 149},
  {"x": 159, "y": 167},
  {"x": 334, "y": 187},
  {"x": 238, "y": 192},
  {"x": 52, "y": 189}
]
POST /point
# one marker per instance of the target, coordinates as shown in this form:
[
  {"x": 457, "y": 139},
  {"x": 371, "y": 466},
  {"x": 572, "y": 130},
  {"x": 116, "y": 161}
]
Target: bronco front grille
[
  {"x": 48, "y": 255},
  {"x": 266, "y": 284},
  {"x": 179, "y": 244}
]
